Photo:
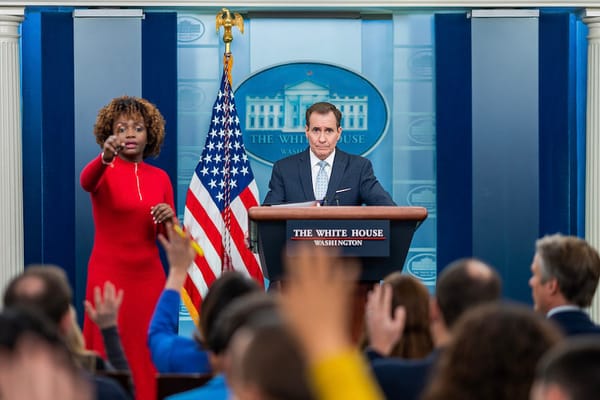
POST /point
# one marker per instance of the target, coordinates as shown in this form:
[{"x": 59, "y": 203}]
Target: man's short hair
[
  {"x": 573, "y": 365},
  {"x": 247, "y": 310},
  {"x": 229, "y": 286},
  {"x": 573, "y": 263},
  {"x": 460, "y": 287},
  {"x": 324, "y": 108},
  {"x": 41, "y": 287}
]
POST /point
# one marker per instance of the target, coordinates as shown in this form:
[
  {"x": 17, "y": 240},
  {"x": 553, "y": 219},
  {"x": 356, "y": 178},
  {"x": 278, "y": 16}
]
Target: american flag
[{"x": 221, "y": 191}]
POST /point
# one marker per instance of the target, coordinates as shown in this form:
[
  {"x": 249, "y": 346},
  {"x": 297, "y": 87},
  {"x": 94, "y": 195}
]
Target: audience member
[
  {"x": 416, "y": 341},
  {"x": 267, "y": 363},
  {"x": 46, "y": 290},
  {"x": 34, "y": 362},
  {"x": 492, "y": 355},
  {"x": 171, "y": 352},
  {"x": 462, "y": 285},
  {"x": 569, "y": 371},
  {"x": 316, "y": 303},
  {"x": 244, "y": 311},
  {"x": 564, "y": 277}
]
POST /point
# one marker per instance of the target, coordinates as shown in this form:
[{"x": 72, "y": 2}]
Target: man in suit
[
  {"x": 461, "y": 286},
  {"x": 323, "y": 172},
  {"x": 564, "y": 276}
]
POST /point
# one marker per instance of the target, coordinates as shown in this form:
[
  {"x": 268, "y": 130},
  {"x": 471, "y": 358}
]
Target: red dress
[{"x": 125, "y": 252}]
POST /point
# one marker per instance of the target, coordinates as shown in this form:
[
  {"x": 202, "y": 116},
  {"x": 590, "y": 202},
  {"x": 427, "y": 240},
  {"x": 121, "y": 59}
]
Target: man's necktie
[{"x": 322, "y": 181}]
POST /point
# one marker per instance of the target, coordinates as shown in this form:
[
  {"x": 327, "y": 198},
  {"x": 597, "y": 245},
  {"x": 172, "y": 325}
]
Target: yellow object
[{"x": 195, "y": 245}]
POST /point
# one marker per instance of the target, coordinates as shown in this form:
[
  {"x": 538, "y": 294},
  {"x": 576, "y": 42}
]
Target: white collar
[
  {"x": 559, "y": 309},
  {"x": 314, "y": 159}
]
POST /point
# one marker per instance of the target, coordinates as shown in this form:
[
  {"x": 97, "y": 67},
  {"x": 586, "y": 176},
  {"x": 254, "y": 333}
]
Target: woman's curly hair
[{"x": 132, "y": 106}]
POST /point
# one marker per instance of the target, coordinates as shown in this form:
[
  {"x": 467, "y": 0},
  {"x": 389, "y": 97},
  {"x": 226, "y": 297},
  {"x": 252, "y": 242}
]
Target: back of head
[
  {"x": 409, "y": 292},
  {"x": 17, "y": 322},
  {"x": 245, "y": 311},
  {"x": 493, "y": 354},
  {"x": 574, "y": 263},
  {"x": 223, "y": 291},
  {"x": 41, "y": 287},
  {"x": 464, "y": 284},
  {"x": 269, "y": 365},
  {"x": 574, "y": 366}
]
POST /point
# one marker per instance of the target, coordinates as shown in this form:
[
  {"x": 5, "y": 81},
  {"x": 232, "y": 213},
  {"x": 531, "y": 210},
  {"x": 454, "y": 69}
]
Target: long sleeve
[
  {"x": 344, "y": 376},
  {"x": 171, "y": 352},
  {"x": 114, "y": 349},
  {"x": 92, "y": 174}
]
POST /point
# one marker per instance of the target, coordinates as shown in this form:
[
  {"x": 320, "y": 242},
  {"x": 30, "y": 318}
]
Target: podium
[{"x": 386, "y": 230}]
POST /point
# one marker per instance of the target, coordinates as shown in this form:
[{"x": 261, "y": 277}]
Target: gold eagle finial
[{"x": 228, "y": 20}]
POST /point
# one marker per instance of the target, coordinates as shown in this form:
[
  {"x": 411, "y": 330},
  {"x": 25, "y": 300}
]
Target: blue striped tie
[{"x": 322, "y": 181}]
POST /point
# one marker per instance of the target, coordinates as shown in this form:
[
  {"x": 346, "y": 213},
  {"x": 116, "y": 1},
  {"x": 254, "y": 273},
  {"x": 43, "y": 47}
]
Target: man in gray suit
[{"x": 323, "y": 172}]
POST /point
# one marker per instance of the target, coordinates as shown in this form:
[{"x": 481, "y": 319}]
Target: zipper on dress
[{"x": 137, "y": 180}]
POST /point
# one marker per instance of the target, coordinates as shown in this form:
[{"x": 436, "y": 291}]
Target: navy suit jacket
[
  {"x": 351, "y": 177},
  {"x": 403, "y": 379},
  {"x": 575, "y": 322}
]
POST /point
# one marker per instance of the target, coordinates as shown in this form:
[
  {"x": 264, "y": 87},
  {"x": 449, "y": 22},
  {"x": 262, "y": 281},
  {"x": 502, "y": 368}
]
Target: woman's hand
[
  {"x": 162, "y": 212},
  {"x": 112, "y": 146}
]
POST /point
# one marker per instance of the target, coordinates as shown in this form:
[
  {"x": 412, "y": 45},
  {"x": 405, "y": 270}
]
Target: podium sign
[
  {"x": 353, "y": 238},
  {"x": 272, "y": 229}
]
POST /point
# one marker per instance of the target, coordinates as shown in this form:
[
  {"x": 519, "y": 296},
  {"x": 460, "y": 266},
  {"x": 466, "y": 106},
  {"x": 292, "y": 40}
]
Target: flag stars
[
  {"x": 204, "y": 171},
  {"x": 215, "y": 171},
  {"x": 234, "y": 171},
  {"x": 207, "y": 158},
  {"x": 212, "y": 184},
  {"x": 235, "y": 158},
  {"x": 233, "y": 184},
  {"x": 220, "y": 196},
  {"x": 244, "y": 170}
]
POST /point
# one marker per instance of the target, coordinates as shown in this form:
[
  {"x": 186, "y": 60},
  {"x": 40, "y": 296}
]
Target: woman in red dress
[{"x": 130, "y": 201}]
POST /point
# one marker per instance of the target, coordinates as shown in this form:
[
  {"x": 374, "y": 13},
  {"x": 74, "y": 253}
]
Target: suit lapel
[
  {"x": 337, "y": 172},
  {"x": 305, "y": 173}
]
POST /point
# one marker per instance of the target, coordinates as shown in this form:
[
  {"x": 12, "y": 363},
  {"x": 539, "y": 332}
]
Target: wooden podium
[{"x": 379, "y": 236}]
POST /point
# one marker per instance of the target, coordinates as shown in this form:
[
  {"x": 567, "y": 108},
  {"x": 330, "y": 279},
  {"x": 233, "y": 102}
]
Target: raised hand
[
  {"x": 317, "y": 298},
  {"x": 112, "y": 146},
  {"x": 106, "y": 305},
  {"x": 384, "y": 331},
  {"x": 180, "y": 254}
]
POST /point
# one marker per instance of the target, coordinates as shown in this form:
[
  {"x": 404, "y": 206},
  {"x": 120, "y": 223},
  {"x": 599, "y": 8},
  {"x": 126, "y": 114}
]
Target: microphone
[{"x": 337, "y": 192}]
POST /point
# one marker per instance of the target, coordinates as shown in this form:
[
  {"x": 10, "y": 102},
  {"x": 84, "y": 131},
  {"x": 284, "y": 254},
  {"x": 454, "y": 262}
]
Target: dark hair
[
  {"x": 573, "y": 262},
  {"x": 255, "y": 307},
  {"x": 461, "y": 286},
  {"x": 229, "y": 286},
  {"x": 324, "y": 108},
  {"x": 574, "y": 365},
  {"x": 42, "y": 287},
  {"x": 274, "y": 362},
  {"x": 18, "y": 321},
  {"x": 492, "y": 355},
  {"x": 416, "y": 341},
  {"x": 132, "y": 106}
]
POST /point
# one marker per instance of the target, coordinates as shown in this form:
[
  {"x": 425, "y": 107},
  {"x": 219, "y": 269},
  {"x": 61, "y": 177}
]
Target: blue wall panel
[{"x": 453, "y": 133}]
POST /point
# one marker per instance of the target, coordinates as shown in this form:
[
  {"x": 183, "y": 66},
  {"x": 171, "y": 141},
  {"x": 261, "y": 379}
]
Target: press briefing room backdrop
[{"x": 477, "y": 115}]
